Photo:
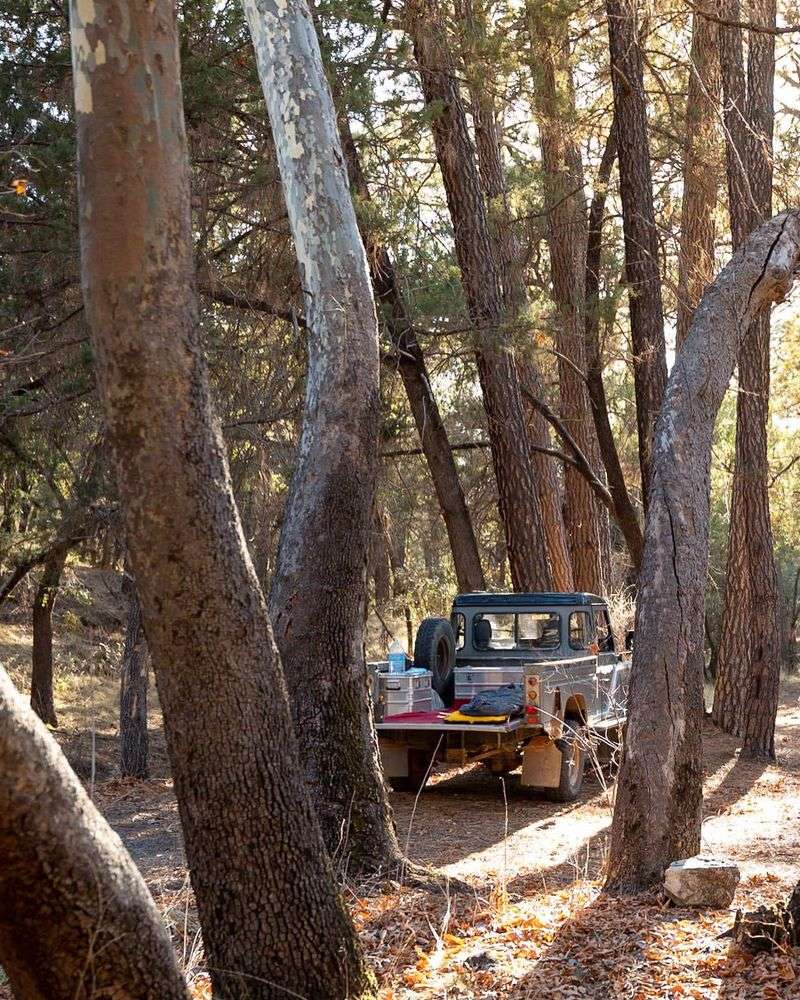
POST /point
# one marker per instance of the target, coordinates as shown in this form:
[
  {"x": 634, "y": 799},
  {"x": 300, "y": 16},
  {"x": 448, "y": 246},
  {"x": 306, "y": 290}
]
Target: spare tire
[{"x": 435, "y": 650}]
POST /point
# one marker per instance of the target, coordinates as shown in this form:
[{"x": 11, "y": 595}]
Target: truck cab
[{"x": 558, "y": 650}]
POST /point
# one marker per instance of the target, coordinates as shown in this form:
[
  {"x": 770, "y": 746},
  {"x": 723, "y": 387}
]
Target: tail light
[{"x": 532, "y": 698}]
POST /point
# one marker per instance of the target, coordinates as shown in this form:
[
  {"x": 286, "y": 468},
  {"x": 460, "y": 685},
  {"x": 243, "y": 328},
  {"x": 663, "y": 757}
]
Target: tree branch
[
  {"x": 248, "y": 302},
  {"x": 579, "y": 459}
]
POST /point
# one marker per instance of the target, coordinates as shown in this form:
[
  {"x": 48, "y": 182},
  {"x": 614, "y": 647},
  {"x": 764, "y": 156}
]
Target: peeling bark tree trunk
[
  {"x": 638, "y": 219},
  {"x": 658, "y": 809},
  {"x": 270, "y": 913},
  {"x": 497, "y": 367},
  {"x": 416, "y": 381},
  {"x": 748, "y": 674},
  {"x": 90, "y": 928},
  {"x": 624, "y": 512},
  {"x": 700, "y": 172},
  {"x": 42, "y": 659},
  {"x": 318, "y": 599},
  {"x": 586, "y": 521},
  {"x": 508, "y": 257},
  {"x": 133, "y": 742}
]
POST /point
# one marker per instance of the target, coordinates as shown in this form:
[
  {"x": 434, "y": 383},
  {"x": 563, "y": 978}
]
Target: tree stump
[{"x": 769, "y": 928}]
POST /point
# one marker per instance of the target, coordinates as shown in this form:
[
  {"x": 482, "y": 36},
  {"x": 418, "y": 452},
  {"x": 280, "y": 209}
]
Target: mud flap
[
  {"x": 541, "y": 764},
  {"x": 394, "y": 757}
]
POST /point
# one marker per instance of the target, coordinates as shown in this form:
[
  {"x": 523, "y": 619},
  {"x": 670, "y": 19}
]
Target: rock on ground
[{"x": 702, "y": 881}]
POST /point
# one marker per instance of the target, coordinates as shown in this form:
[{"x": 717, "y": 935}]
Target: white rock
[{"x": 702, "y": 881}]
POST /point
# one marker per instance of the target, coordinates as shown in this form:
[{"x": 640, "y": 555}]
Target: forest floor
[{"x": 534, "y": 924}]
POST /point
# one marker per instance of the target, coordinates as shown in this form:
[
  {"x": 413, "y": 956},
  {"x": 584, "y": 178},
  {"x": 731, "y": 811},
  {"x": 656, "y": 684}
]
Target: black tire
[
  {"x": 573, "y": 763},
  {"x": 418, "y": 764},
  {"x": 435, "y": 650}
]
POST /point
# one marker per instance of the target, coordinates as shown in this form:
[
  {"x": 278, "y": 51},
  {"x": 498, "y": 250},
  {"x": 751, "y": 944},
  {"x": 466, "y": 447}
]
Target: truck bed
[{"x": 428, "y": 721}]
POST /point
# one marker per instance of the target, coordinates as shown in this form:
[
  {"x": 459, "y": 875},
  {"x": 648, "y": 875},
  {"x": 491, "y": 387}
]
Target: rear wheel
[
  {"x": 573, "y": 764},
  {"x": 435, "y": 650}
]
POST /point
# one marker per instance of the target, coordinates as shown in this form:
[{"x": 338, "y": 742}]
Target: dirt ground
[{"x": 535, "y": 924}]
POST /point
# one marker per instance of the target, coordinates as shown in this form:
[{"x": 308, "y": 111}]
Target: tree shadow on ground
[{"x": 736, "y": 783}]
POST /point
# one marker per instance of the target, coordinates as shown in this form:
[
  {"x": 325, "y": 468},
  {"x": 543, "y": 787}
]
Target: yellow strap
[{"x": 460, "y": 717}]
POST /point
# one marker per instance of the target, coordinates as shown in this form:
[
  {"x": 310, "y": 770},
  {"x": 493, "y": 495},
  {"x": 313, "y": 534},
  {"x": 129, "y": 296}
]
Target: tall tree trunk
[
  {"x": 586, "y": 521},
  {"x": 748, "y": 674},
  {"x": 319, "y": 591},
  {"x": 700, "y": 172},
  {"x": 270, "y": 913},
  {"x": 508, "y": 257},
  {"x": 416, "y": 381},
  {"x": 133, "y": 742},
  {"x": 638, "y": 221},
  {"x": 624, "y": 512},
  {"x": 520, "y": 512},
  {"x": 658, "y": 810},
  {"x": 42, "y": 659},
  {"x": 78, "y": 921}
]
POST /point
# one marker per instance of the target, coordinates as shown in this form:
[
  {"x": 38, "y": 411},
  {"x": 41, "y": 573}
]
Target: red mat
[{"x": 428, "y": 717}]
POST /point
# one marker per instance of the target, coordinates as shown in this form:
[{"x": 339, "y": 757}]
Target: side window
[
  {"x": 579, "y": 630},
  {"x": 539, "y": 630},
  {"x": 605, "y": 637},
  {"x": 493, "y": 631},
  {"x": 458, "y": 622}
]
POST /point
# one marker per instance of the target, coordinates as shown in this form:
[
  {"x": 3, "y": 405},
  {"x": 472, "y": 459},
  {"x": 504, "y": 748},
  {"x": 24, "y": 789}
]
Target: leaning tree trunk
[
  {"x": 748, "y": 674},
  {"x": 78, "y": 922},
  {"x": 624, "y": 512},
  {"x": 642, "y": 274},
  {"x": 133, "y": 742},
  {"x": 658, "y": 810},
  {"x": 319, "y": 591},
  {"x": 700, "y": 172},
  {"x": 507, "y": 254},
  {"x": 42, "y": 658},
  {"x": 520, "y": 512},
  {"x": 416, "y": 381},
  {"x": 586, "y": 521},
  {"x": 271, "y": 917}
]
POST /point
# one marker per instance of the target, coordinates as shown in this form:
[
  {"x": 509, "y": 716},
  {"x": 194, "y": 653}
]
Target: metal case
[
  {"x": 409, "y": 692},
  {"x": 471, "y": 680}
]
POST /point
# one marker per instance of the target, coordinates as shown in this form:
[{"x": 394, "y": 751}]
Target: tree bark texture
[
  {"x": 638, "y": 219},
  {"x": 319, "y": 591},
  {"x": 508, "y": 257},
  {"x": 42, "y": 657},
  {"x": 416, "y": 381},
  {"x": 625, "y": 513},
  {"x": 271, "y": 917},
  {"x": 701, "y": 172},
  {"x": 586, "y": 521},
  {"x": 497, "y": 367},
  {"x": 133, "y": 742},
  {"x": 658, "y": 809},
  {"x": 748, "y": 674},
  {"x": 78, "y": 922}
]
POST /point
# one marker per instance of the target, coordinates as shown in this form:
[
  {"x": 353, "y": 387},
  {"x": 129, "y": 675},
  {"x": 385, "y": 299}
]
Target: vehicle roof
[{"x": 486, "y": 599}]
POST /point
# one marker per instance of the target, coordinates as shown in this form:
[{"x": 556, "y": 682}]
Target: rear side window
[
  {"x": 579, "y": 630},
  {"x": 458, "y": 622},
  {"x": 605, "y": 637}
]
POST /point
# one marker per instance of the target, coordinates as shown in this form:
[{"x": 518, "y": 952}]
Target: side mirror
[{"x": 629, "y": 639}]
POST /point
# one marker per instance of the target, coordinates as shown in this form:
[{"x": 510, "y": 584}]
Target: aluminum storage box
[
  {"x": 408, "y": 692},
  {"x": 471, "y": 680}
]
